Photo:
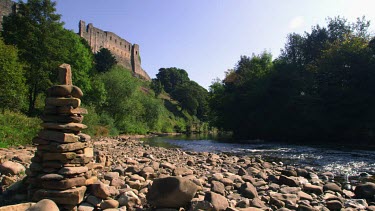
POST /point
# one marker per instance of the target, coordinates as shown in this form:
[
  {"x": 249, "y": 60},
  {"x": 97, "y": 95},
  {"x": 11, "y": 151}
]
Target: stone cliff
[{"x": 126, "y": 54}]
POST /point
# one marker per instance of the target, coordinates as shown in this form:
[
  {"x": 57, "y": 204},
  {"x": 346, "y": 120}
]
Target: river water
[{"x": 339, "y": 160}]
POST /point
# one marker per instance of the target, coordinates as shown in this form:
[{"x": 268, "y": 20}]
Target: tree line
[{"x": 321, "y": 88}]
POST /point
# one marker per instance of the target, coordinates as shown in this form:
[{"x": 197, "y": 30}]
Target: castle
[
  {"x": 6, "y": 7},
  {"x": 127, "y": 54}
]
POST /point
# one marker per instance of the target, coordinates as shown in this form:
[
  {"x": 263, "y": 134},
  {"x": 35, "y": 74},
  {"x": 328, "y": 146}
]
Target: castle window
[
  {"x": 136, "y": 52},
  {"x": 120, "y": 43},
  {"x": 115, "y": 41},
  {"x": 110, "y": 38}
]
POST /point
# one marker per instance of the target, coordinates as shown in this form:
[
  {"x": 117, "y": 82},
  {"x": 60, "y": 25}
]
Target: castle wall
[
  {"x": 127, "y": 54},
  {"x": 6, "y": 8}
]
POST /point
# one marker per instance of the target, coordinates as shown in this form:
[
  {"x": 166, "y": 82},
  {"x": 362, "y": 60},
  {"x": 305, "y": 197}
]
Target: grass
[{"x": 17, "y": 129}]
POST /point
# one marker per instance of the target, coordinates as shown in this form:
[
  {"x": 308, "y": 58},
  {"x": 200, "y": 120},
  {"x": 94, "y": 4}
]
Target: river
[{"x": 338, "y": 160}]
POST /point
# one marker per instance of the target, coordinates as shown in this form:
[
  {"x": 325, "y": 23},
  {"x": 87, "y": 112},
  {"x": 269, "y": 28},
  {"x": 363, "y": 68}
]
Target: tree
[
  {"x": 156, "y": 86},
  {"x": 171, "y": 77},
  {"x": 12, "y": 81},
  {"x": 104, "y": 60},
  {"x": 43, "y": 45}
]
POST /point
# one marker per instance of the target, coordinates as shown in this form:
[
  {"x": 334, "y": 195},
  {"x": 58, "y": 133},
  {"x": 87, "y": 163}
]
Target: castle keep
[{"x": 127, "y": 54}]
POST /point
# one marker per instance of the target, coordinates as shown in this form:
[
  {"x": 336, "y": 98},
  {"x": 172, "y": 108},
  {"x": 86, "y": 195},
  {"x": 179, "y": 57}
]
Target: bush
[{"x": 17, "y": 129}]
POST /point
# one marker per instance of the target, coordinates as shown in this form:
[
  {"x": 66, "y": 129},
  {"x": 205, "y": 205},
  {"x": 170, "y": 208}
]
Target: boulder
[
  {"x": 218, "y": 201},
  {"x": 332, "y": 187},
  {"x": 365, "y": 191},
  {"x": 44, "y": 205},
  {"x": 248, "y": 190},
  {"x": 173, "y": 192},
  {"x": 108, "y": 204},
  {"x": 12, "y": 168},
  {"x": 100, "y": 190}
]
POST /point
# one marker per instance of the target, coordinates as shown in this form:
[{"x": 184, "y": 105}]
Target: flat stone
[
  {"x": 56, "y": 147},
  {"x": 62, "y": 118},
  {"x": 12, "y": 168},
  {"x": 64, "y": 184},
  {"x": 67, "y": 126},
  {"x": 48, "y": 177},
  {"x": 62, "y": 101},
  {"x": 110, "y": 203},
  {"x": 52, "y": 164},
  {"x": 86, "y": 207},
  {"x": 60, "y": 91},
  {"x": 366, "y": 190},
  {"x": 62, "y": 157},
  {"x": 44, "y": 205},
  {"x": 318, "y": 190},
  {"x": 80, "y": 159},
  {"x": 57, "y": 136},
  {"x": 70, "y": 110},
  {"x": 73, "y": 170},
  {"x": 91, "y": 180},
  {"x": 77, "y": 92},
  {"x": 100, "y": 190},
  {"x": 17, "y": 207},
  {"x": 70, "y": 197}
]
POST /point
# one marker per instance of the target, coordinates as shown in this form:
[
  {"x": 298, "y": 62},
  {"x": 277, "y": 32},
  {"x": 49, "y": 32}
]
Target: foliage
[
  {"x": 12, "y": 80},
  {"x": 321, "y": 87},
  {"x": 171, "y": 77},
  {"x": 43, "y": 45},
  {"x": 104, "y": 60},
  {"x": 17, "y": 129}
]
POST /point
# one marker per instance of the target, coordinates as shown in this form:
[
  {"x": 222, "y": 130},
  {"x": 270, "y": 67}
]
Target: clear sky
[{"x": 207, "y": 37}]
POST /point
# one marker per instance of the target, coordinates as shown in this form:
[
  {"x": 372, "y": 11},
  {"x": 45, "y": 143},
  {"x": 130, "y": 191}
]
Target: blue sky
[{"x": 207, "y": 37}]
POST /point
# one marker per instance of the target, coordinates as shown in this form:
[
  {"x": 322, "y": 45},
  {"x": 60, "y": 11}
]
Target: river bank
[{"x": 127, "y": 169}]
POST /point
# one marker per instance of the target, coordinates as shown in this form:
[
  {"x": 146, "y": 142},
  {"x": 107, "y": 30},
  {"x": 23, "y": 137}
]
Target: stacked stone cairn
[{"x": 62, "y": 168}]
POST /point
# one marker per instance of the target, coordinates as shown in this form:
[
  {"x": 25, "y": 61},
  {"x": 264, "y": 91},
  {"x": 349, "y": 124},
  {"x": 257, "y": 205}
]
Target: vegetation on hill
[
  {"x": 321, "y": 88},
  {"x": 35, "y": 44}
]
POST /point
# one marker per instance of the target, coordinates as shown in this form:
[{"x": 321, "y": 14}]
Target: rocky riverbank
[{"x": 134, "y": 176}]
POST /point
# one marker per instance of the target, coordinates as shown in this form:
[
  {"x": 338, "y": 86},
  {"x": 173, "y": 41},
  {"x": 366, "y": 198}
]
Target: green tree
[
  {"x": 12, "y": 80},
  {"x": 171, "y": 77},
  {"x": 104, "y": 60},
  {"x": 43, "y": 45}
]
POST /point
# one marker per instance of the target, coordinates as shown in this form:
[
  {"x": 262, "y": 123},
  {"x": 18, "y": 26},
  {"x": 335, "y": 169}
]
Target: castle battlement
[{"x": 126, "y": 54}]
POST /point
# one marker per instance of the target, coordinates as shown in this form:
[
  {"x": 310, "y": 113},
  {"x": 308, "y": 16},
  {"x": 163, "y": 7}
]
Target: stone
[
  {"x": 318, "y": 190},
  {"x": 71, "y": 197},
  {"x": 100, "y": 190},
  {"x": 129, "y": 199},
  {"x": 56, "y": 147},
  {"x": 93, "y": 200},
  {"x": 12, "y": 168},
  {"x": 173, "y": 192},
  {"x": 248, "y": 190},
  {"x": 287, "y": 199},
  {"x": 64, "y": 184},
  {"x": 332, "y": 187},
  {"x": 73, "y": 170},
  {"x": 108, "y": 204},
  {"x": 17, "y": 207},
  {"x": 179, "y": 171},
  {"x": 62, "y": 157},
  {"x": 65, "y": 74},
  {"x": 57, "y": 136},
  {"x": 334, "y": 205},
  {"x": 85, "y": 207},
  {"x": 217, "y": 187},
  {"x": 67, "y": 126},
  {"x": 59, "y": 91},
  {"x": 289, "y": 181},
  {"x": 47, "y": 177},
  {"x": 167, "y": 165},
  {"x": 44, "y": 205},
  {"x": 365, "y": 191},
  {"x": 111, "y": 175},
  {"x": 77, "y": 92},
  {"x": 92, "y": 180},
  {"x": 62, "y": 118},
  {"x": 218, "y": 201},
  {"x": 62, "y": 101},
  {"x": 8, "y": 180}
]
